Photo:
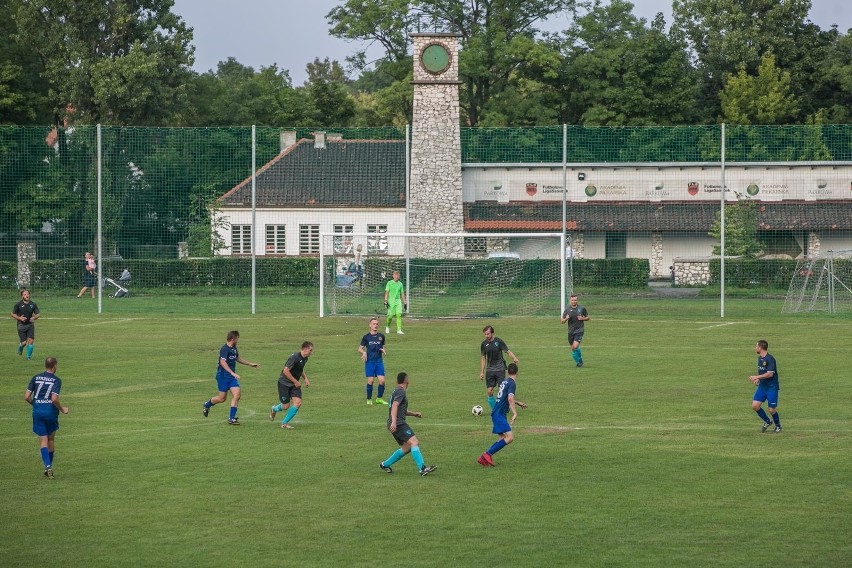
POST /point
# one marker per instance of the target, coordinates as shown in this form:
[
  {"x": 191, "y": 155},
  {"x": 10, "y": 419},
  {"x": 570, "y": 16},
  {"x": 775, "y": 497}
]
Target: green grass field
[{"x": 648, "y": 456}]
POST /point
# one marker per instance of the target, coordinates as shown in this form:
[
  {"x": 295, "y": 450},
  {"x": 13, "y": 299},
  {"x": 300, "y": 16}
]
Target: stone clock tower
[{"x": 436, "y": 182}]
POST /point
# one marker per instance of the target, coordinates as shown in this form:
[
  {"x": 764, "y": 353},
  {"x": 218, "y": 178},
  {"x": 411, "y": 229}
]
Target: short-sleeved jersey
[
  {"x": 373, "y": 344},
  {"x": 501, "y": 406},
  {"x": 296, "y": 363},
  {"x": 398, "y": 395},
  {"x": 26, "y": 309},
  {"x": 767, "y": 363},
  {"x": 394, "y": 289},
  {"x": 43, "y": 386},
  {"x": 230, "y": 355},
  {"x": 575, "y": 325},
  {"x": 493, "y": 352}
]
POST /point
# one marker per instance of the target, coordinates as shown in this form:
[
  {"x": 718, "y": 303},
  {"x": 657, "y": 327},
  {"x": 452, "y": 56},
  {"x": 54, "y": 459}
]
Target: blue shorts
[
  {"x": 45, "y": 425},
  {"x": 227, "y": 382},
  {"x": 374, "y": 368},
  {"x": 501, "y": 425},
  {"x": 768, "y": 395}
]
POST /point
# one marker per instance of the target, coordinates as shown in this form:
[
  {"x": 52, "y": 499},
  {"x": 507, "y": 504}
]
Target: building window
[
  {"x": 616, "y": 245},
  {"x": 475, "y": 246},
  {"x": 275, "y": 240},
  {"x": 343, "y": 245},
  {"x": 377, "y": 241},
  {"x": 308, "y": 239},
  {"x": 240, "y": 239}
]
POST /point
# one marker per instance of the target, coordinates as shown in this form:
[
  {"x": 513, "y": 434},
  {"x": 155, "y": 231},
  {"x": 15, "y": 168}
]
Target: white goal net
[
  {"x": 445, "y": 275},
  {"x": 821, "y": 283}
]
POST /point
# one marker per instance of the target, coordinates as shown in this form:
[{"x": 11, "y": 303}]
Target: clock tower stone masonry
[{"x": 436, "y": 182}]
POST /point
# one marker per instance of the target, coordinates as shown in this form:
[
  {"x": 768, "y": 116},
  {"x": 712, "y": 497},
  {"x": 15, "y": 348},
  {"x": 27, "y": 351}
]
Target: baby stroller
[{"x": 121, "y": 283}]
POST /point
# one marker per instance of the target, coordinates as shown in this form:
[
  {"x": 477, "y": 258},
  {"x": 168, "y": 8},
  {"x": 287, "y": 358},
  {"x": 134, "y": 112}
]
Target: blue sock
[
  {"x": 291, "y": 412},
  {"x": 394, "y": 457},
  {"x": 45, "y": 457},
  {"x": 496, "y": 447},
  {"x": 30, "y": 350},
  {"x": 777, "y": 419},
  {"x": 233, "y": 413},
  {"x": 370, "y": 392},
  {"x": 50, "y": 455},
  {"x": 278, "y": 407},
  {"x": 491, "y": 402},
  {"x": 208, "y": 404},
  {"x": 381, "y": 391},
  {"x": 20, "y": 348},
  {"x": 763, "y": 416},
  {"x": 418, "y": 457}
]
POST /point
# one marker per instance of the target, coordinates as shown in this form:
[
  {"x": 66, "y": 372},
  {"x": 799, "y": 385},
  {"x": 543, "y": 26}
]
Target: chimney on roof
[
  {"x": 288, "y": 138},
  {"x": 319, "y": 140}
]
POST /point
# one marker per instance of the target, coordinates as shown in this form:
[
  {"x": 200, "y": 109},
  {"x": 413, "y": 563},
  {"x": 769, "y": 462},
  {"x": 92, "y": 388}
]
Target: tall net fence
[{"x": 641, "y": 208}]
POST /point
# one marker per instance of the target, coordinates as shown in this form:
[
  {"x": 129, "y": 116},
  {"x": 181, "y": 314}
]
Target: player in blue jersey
[
  {"x": 43, "y": 394},
  {"x": 401, "y": 431},
  {"x": 766, "y": 381},
  {"x": 25, "y": 313},
  {"x": 290, "y": 384},
  {"x": 227, "y": 378},
  {"x": 502, "y": 427},
  {"x": 371, "y": 349},
  {"x": 492, "y": 366},
  {"x": 576, "y": 316}
]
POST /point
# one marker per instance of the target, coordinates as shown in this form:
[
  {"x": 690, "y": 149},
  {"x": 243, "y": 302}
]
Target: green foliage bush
[{"x": 753, "y": 273}]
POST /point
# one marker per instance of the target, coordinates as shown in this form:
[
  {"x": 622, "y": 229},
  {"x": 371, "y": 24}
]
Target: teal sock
[
  {"x": 394, "y": 457},
  {"x": 45, "y": 457},
  {"x": 491, "y": 402},
  {"x": 30, "y": 350},
  {"x": 579, "y": 354},
  {"x": 20, "y": 348},
  {"x": 418, "y": 457},
  {"x": 291, "y": 412},
  {"x": 278, "y": 407}
]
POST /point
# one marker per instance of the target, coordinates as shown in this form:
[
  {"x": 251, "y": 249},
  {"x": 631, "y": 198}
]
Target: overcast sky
[{"x": 262, "y": 32}]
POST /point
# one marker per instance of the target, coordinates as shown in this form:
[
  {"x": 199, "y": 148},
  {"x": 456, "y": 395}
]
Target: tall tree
[
  {"x": 116, "y": 61},
  {"x": 764, "y": 98},
  {"x": 495, "y": 36},
  {"x": 23, "y": 92}
]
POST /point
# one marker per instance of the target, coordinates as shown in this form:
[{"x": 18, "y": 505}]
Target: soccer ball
[{"x": 476, "y": 410}]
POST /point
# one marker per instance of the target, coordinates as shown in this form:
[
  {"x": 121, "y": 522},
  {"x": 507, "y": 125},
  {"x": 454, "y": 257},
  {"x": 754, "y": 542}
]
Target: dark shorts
[
  {"x": 45, "y": 425},
  {"x": 288, "y": 391},
  {"x": 403, "y": 433},
  {"x": 26, "y": 331},
  {"x": 494, "y": 377},
  {"x": 501, "y": 425},
  {"x": 88, "y": 280},
  {"x": 572, "y": 337}
]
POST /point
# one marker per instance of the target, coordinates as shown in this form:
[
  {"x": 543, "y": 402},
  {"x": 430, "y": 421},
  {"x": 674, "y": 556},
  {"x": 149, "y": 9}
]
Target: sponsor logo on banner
[
  {"x": 753, "y": 189},
  {"x": 591, "y": 190},
  {"x": 692, "y": 188},
  {"x": 532, "y": 189}
]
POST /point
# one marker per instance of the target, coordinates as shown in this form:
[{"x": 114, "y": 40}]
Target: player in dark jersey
[
  {"x": 766, "y": 381},
  {"x": 372, "y": 348},
  {"x": 25, "y": 313},
  {"x": 227, "y": 378},
  {"x": 290, "y": 384},
  {"x": 492, "y": 366},
  {"x": 401, "y": 431},
  {"x": 576, "y": 316},
  {"x": 502, "y": 427},
  {"x": 43, "y": 394}
]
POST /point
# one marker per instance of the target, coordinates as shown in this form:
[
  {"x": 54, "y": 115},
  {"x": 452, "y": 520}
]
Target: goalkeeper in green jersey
[{"x": 395, "y": 302}]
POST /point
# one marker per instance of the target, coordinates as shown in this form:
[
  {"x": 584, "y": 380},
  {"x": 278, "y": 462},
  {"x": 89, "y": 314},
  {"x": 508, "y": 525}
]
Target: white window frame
[
  {"x": 278, "y": 242},
  {"x": 241, "y": 236},
  {"x": 343, "y": 245},
  {"x": 377, "y": 245},
  {"x": 309, "y": 239}
]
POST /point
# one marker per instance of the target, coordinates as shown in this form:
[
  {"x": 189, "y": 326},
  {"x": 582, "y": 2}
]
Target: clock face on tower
[{"x": 435, "y": 58}]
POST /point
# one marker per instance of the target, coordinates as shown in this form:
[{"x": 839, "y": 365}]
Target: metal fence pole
[
  {"x": 254, "y": 231},
  {"x": 722, "y": 232},
  {"x": 100, "y": 251}
]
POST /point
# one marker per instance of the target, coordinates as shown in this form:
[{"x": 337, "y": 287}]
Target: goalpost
[
  {"x": 821, "y": 283},
  {"x": 446, "y": 275}
]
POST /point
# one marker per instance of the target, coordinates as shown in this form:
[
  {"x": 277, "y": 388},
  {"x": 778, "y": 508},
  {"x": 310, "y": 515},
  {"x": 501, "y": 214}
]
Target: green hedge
[
  {"x": 753, "y": 273},
  {"x": 8, "y": 272},
  {"x": 222, "y": 271},
  {"x": 612, "y": 272}
]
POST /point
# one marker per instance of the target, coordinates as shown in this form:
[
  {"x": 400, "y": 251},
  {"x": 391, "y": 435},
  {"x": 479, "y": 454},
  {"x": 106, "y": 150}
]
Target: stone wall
[
  {"x": 691, "y": 272},
  {"x": 656, "y": 260},
  {"x": 26, "y": 254},
  {"x": 814, "y": 245}
]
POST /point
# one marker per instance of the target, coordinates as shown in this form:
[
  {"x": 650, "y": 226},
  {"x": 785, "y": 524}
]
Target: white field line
[{"x": 718, "y": 325}]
